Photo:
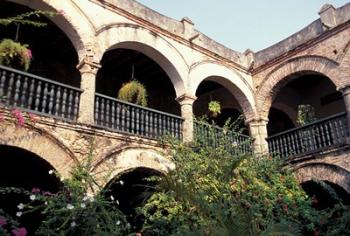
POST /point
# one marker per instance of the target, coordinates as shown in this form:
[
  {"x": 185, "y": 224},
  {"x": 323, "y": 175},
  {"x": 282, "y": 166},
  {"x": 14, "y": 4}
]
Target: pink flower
[
  {"x": 46, "y": 193},
  {"x": 33, "y": 118},
  {"x": 61, "y": 12},
  {"x": 35, "y": 190},
  {"x": 3, "y": 221},
  {"x": 18, "y": 115},
  {"x": 29, "y": 54},
  {"x": 19, "y": 232}
]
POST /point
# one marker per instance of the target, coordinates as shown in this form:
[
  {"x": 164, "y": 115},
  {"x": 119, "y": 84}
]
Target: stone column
[
  {"x": 88, "y": 72},
  {"x": 186, "y": 103},
  {"x": 346, "y": 96},
  {"x": 258, "y": 131}
]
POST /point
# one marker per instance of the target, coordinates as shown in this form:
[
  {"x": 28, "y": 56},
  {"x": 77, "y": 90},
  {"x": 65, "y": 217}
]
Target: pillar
[
  {"x": 346, "y": 96},
  {"x": 258, "y": 131},
  {"x": 88, "y": 71},
  {"x": 186, "y": 103}
]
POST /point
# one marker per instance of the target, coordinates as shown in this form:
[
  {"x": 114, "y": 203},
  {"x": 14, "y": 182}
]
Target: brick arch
[
  {"x": 72, "y": 22},
  {"x": 325, "y": 172},
  {"x": 281, "y": 75},
  {"x": 345, "y": 67},
  {"x": 154, "y": 46},
  {"x": 40, "y": 143},
  {"x": 127, "y": 158},
  {"x": 228, "y": 78}
]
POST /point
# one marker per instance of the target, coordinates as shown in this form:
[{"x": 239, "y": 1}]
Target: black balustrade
[
  {"x": 214, "y": 136},
  {"x": 133, "y": 119},
  {"x": 37, "y": 94},
  {"x": 311, "y": 138}
]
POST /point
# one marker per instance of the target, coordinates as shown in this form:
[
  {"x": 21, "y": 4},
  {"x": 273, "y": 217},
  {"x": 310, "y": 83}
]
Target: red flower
[
  {"x": 285, "y": 207},
  {"x": 19, "y": 232},
  {"x": 3, "y": 221}
]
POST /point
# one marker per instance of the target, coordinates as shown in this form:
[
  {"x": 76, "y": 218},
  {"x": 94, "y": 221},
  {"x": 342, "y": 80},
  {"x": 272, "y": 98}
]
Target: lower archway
[
  {"x": 23, "y": 169},
  {"x": 130, "y": 190},
  {"x": 322, "y": 193}
]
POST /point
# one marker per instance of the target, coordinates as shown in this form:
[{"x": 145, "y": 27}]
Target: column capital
[
  {"x": 88, "y": 66},
  {"x": 257, "y": 121},
  {"x": 344, "y": 89},
  {"x": 186, "y": 99}
]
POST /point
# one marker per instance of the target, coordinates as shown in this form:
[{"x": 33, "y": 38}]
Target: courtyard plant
[
  {"x": 13, "y": 53},
  {"x": 212, "y": 192},
  {"x": 214, "y": 108},
  {"x": 133, "y": 92}
]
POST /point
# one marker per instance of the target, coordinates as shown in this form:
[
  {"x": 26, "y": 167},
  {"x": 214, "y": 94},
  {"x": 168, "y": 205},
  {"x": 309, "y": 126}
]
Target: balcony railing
[
  {"x": 312, "y": 138},
  {"x": 37, "y": 94},
  {"x": 214, "y": 136},
  {"x": 129, "y": 118}
]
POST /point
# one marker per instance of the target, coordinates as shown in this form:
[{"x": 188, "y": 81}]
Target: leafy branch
[{"x": 24, "y": 19}]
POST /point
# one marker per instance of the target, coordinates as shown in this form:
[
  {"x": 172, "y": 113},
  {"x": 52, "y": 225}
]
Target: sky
[{"x": 243, "y": 24}]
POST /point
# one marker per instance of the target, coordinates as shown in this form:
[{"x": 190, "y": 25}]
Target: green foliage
[
  {"x": 214, "y": 107},
  {"x": 212, "y": 192},
  {"x": 24, "y": 19},
  {"x": 133, "y": 92},
  {"x": 14, "y": 54},
  {"x": 306, "y": 114}
]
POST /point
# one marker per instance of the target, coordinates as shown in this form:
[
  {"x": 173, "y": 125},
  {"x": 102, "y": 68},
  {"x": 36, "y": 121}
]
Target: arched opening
[
  {"x": 278, "y": 121},
  {"x": 322, "y": 197},
  {"x": 311, "y": 102},
  {"x": 209, "y": 90},
  {"x": 312, "y": 89},
  {"x": 130, "y": 190},
  {"x": 54, "y": 56},
  {"x": 119, "y": 64},
  {"x": 23, "y": 169}
]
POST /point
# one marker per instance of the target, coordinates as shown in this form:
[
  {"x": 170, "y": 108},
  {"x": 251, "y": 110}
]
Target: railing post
[
  {"x": 88, "y": 72},
  {"x": 258, "y": 132},
  {"x": 346, "y": 96},
  {"x": 186, "y": 103}
]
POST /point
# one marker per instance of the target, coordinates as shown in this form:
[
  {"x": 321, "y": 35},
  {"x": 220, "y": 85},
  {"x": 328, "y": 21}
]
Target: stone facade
[{"x": 188, "y": 57}]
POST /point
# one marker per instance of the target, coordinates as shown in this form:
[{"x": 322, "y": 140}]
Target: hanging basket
[
  {"x": 15, "y": 55},
  {"x": 133, "y": 92}
]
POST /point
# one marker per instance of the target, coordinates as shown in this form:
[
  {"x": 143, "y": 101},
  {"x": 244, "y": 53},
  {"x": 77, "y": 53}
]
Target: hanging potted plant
[
  {"x": 133, "y": 92},
  {"x": 214, "y": 108},
  {"x": 15, "y": 55}
]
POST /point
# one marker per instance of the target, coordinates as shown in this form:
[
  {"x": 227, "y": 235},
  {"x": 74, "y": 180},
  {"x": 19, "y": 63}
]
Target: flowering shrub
[{"x": 71, "y": 211}]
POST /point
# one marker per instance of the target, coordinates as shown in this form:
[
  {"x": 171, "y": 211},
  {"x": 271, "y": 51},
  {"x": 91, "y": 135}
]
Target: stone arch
[
  {"x": 282, "y": 74},
  {"x": 228, "y": 78},
  {"x": 152, "y": 45},
  {"x": 72, "y": 22},
  {"x": 37, "y": 141},
  {"x": 127, "y": 158},
  {"x": 325, "y": 172}
]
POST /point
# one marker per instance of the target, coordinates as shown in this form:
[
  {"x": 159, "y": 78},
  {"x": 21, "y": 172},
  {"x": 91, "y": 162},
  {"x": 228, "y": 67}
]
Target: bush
[{"x": 212, "y": 192}]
